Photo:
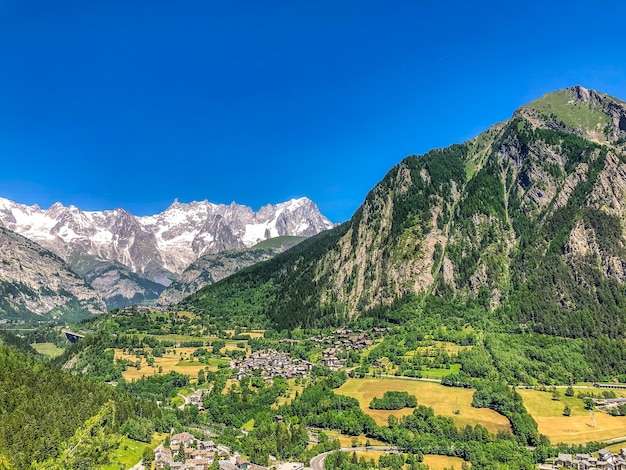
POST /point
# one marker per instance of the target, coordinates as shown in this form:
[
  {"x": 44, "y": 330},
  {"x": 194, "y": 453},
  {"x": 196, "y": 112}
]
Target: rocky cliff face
[
  {"x": 128, "y": 258},
  {"x": 36, "y": 284},
  {"x": 525, "y": 219}
]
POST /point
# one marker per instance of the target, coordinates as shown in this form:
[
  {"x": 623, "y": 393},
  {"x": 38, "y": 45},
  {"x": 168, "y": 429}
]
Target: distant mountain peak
[{"x": 157, "y": 247}]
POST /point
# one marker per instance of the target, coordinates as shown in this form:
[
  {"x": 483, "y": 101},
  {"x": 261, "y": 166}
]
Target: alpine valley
[
  {"x": 471, "y": 313},
  {"x": 129, "y": 259}
]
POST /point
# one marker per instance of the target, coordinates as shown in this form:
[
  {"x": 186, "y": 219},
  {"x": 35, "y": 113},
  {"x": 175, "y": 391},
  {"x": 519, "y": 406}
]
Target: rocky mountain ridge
[
  {"x": 212, "y": 268},
  {"x": 129, "y": 258},
  {"x": 36, "y": 284},
  {"x": 525, "y": 220}
]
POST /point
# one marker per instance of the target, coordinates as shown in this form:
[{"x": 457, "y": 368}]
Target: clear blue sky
[{"x": 131, "y": 104}]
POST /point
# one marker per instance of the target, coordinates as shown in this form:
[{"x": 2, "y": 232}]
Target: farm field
[
  {"x": 444, "y": 400},
  {"x": 169, "y": 362},
  {"x": 441, "y": 462},
  {"x": 252, "y": 333},
  {"x": 130, "y": 452},
  {"x": 574, "y": 429},
  {"x": 48, "y": 349},
  {"x": 346, "y": 441},
  {"x": 435, "y": 462}
]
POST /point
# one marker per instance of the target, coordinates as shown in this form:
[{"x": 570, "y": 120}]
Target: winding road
[{"x": 317, "y": 462}]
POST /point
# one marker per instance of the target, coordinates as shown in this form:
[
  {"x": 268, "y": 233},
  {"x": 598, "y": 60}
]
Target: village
[
  {"x": 270, "y": 363},
  {"x": 606, "y": 460},
  {"x": 186, "y": 452}
]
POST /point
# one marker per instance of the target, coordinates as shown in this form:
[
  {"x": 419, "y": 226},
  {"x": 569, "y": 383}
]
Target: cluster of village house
[
  {"x": 340, "y": 341},
  {"x": 271, "y": 363},
  {"x": 606, "y": 460},
  {"x": 195, "y": 454}
]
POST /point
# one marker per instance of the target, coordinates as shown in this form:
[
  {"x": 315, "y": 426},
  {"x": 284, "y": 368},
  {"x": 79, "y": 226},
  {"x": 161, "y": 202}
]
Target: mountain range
[
  {"x": 129, "y": 259},
  {"x": 525, "y": 221}
]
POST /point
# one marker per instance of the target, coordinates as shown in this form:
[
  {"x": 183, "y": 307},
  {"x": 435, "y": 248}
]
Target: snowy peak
[{"x": 157, "y": 247}]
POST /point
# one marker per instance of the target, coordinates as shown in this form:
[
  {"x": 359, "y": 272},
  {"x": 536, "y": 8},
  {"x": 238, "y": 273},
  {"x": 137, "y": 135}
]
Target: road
[{"x": 317, "y": 462}]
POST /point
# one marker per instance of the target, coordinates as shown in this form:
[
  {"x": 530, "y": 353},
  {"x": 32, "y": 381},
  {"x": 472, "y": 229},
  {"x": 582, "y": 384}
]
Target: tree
[
  {"x": 569, "y": 392},
  {"x": 201, "y": 377},
  {"x": 567, "y": 411},
  {"x": 147, "y": 456}
]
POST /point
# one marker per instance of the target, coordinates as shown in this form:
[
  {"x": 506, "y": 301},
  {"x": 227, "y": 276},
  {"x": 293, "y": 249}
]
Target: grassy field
[
  {"x": 441, "y": 462},
  {"x": 48, "y": 349},
  {"x": 181, "y": 338},
  {"x": 571, "y": 112},
  {"x": 435, "y": 462},
  {"x": 440, "y": 373},
  {"x": 574, "y": 429},
  {"x": 346, "y": 441},
  {"x": 169, "y": 362},
  {"x": 130, "y": 452},
  {"x": 251, "y": 333},
  {"x": 444, "y": 400}
]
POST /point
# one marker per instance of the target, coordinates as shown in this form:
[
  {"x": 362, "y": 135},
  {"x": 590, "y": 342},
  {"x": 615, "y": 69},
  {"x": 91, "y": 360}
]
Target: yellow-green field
[
  {"x": 434, "y": 462},
  {"x": 450, "y": 348},
  {"x": 346, "y": 441},
  {"x": 169, "y": 362},
  {"x": 444, "y": 401},
  {"x": 441, "y": 462},
  {"x": 130, "y": 452},
  {"x": 574, "y": 429},
  {"x": 251, "y": 333},
  {"x": 48, "y": 349}
]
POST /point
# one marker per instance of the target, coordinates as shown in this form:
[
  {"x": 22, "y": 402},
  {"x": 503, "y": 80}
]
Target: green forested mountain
[
  {"x": 43, "y": 408},
  {"x": 525, "y": 221}
]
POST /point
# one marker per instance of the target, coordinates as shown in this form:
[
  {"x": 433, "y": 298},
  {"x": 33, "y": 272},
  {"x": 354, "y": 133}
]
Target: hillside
[
  {"x": 44, "y": 410},
  {"x": 209, "y": 269},
  {"x": 524, "y": 221},
  {"x": 37, "y": 285}
]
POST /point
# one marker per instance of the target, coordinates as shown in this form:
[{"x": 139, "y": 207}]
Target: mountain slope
[
  {"x": 209, "y": 269},
  {"x": 37, "y": 285},
  {"x": 525, "y": 220},
  {"x": 147, "y": 253}
]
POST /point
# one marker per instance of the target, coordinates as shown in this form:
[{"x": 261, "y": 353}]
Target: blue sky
[{"x": 131, "y": 104}]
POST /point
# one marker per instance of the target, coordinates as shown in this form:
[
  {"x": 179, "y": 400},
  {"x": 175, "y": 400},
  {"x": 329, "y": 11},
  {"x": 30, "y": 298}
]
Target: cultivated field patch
[
  {"x": 576, "y": 428},
  {"x": 444, "y": 401},
  {"x": 48, "y": 349},
  {"x": 442, "y": 462},
  {"x": 171, "y": 361}
]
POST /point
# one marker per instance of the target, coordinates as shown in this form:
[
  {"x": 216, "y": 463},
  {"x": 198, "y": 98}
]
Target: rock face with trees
[{"x": 525, "y": 220}]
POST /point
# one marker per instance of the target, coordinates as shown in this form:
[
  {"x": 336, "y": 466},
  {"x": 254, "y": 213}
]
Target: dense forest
[{"x": 42, "y": 407}]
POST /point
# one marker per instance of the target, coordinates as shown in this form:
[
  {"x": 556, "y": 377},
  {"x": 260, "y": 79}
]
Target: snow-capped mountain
[{"x": 158, "y": 247}]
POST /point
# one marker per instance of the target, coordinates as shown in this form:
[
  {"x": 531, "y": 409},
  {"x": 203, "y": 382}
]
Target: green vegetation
[
  {"x": 48, "y": 349},
  {"x": 394, "y": 401},
  {"x": 42, "y": 408},
  {"x": 563, "y": 106},
  {"x": 278, "y": 242}
]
